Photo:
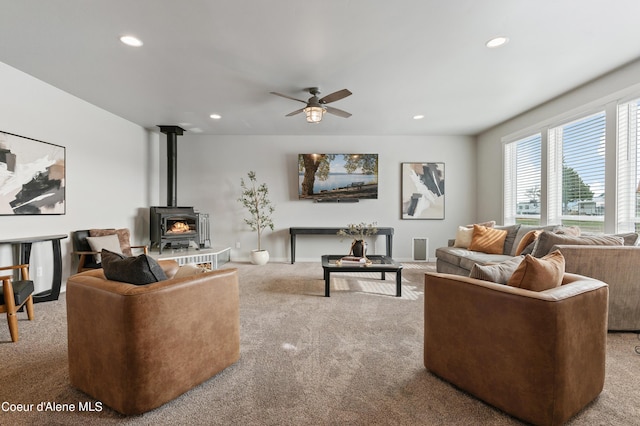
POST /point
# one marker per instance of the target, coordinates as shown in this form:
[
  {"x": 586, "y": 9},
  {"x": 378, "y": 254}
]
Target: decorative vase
[
  {"x": 359, "y": 248},
  {"x": 259, "y": 257}
]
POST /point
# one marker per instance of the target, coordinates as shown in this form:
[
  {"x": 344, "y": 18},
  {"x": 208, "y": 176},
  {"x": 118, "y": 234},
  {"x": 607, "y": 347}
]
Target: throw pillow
[
  {"x": 137, "y": 270},
  {"x": 529, "y": 238},
  {"x": 109, "y": 242},
  {"x": 509, "y": 241},
  {"x": 547, "y": 240},
  {"x": 487, "y": 240},
  {"x": 488, "y": 224},
  {"x": 539, "y": 274},
  {"x": 498, "y": 272},
  {"x": 463, "y": 237},
  {"x": 124, "y": 236},
  {"x": 568, "y": 230},
  {"x": 630, "y": 238}
]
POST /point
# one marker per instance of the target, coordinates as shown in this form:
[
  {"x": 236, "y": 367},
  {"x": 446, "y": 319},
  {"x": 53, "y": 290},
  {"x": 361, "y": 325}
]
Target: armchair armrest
[{"x": 145, "y": 249}]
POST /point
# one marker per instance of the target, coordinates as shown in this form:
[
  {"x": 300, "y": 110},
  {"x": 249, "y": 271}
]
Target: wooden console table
[
  {"x": 388, "y": 232},
  {"x": 23, "y": 248}
]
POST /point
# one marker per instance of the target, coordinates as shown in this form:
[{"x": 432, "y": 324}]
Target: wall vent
[{"x": 420, "y": 248}]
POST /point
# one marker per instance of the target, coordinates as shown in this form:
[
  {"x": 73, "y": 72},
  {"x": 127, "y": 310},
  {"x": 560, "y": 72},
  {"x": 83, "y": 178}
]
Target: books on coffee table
[{"x": 353, "y": 261}]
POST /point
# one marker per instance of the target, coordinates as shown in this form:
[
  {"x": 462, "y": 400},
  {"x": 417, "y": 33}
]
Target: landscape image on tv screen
[{"x": 333, "y": 177}]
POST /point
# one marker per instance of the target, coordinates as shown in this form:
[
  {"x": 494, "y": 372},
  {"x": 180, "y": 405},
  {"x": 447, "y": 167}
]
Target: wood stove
[{"x": 173, "y": 226}]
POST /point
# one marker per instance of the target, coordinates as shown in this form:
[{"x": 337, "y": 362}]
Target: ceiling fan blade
[
  {"x": 288, "y": 97},
  {"x": 338, "y": 112},
  {"x": 335, "y": 96},
  {"x": 295, "y": 112}
]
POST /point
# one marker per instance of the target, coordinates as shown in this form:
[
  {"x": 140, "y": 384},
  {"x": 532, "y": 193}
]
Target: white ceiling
[{"x": 399, "y": 58}]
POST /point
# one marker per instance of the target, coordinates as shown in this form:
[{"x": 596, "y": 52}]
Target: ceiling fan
[{"x": 316, "y": 108}]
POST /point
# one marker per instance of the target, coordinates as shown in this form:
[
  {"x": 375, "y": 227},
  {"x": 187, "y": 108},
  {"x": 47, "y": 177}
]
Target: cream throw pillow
[
  {"x": 463, "y": 237},
  {"x": 108, "y": 242}
]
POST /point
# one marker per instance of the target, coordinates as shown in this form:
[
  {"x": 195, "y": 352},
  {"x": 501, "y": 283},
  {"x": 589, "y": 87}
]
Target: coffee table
[{"x": 379, "y": 263}]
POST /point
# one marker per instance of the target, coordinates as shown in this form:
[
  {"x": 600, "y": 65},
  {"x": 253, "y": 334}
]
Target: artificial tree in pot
[{"x": 255, "y": 198}]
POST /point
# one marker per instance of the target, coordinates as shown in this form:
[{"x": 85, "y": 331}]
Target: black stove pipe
[{"x": 172, "y": 133}]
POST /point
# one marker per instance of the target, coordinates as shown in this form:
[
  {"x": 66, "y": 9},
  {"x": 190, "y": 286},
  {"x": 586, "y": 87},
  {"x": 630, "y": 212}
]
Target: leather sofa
[
  {"x": 136, "y": 347},
  {"x": 539, "y": 356}
]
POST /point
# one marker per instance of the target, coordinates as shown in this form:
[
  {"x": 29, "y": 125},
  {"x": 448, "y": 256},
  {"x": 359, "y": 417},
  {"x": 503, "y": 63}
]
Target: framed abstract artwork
[
  {"x": 422, "y": 190},
  {"x": 32, "y": 176}
]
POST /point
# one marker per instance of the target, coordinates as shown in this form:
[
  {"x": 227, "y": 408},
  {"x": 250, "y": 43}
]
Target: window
[
  {"x": 523, "y": 180},
  {"x": 628, "y": 191},
  {"x": 576, "y": 162},
  {"x": 577, "y": 173}
]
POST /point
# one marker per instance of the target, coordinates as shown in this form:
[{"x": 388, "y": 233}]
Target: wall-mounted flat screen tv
[{"x": 335, "y": 177}]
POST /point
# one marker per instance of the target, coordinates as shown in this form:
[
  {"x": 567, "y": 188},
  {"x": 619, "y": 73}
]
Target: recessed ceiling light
[
  {"x": 131, "y": 41},
  {"x": 216, "y": 116},
  {"x": 418, "y": 117},
  {"x": 497, "y": 42}
]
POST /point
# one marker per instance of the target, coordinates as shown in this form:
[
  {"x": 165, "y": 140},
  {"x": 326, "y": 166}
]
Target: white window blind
[
  {"x": 579, "y": 154},
  {"x": 628, "y": 187},
  {"x": 522, "y": 200}
]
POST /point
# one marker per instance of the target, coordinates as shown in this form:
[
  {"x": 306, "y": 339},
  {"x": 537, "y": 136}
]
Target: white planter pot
[{"x": 259, "y": 257}]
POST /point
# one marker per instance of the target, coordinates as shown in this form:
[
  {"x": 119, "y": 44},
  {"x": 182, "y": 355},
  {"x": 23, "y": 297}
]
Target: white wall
[
  {"x": 210, "y": 168},
  {"x": 618, "y": 84},
  {"x": 108, "y": 166},
  {"x": 115, "y": 170}
]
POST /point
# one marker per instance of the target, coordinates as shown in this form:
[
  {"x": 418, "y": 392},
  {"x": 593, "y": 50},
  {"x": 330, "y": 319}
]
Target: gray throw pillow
[
  {"x": 630, "y": 238},
  {"x": 547, "y": 240},
  {"x": 512, "y": 231},
  {"x": 137, "y": 270},
  {"x": 498, "y": 272}
]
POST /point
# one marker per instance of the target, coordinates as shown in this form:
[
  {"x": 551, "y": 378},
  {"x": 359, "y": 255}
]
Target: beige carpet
[{"x": 354, "y": 358}]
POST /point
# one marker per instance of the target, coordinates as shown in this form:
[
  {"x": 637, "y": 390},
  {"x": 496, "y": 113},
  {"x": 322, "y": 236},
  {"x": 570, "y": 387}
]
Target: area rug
[{"x": 354, "y": 358}]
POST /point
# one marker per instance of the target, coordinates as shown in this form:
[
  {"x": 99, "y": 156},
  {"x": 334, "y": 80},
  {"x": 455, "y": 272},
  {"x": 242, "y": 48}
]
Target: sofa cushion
[
  {"x": 137, "y": 270},
  {"x": 476, "y": 257},
  {"x": 539, "y": 274},
  {"x": 498, "y": 272},
  {"x": 488, "y": 240},
  {"x": 465, "y": 258},
  {"x": 547, "y": 240}
]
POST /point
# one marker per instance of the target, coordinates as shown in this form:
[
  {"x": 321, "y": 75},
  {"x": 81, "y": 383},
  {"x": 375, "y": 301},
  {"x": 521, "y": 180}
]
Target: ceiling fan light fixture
[{"x": 314, "y": 114}]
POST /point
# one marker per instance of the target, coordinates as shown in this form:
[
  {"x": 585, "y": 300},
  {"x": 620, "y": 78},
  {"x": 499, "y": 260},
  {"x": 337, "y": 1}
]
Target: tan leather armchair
[
  {"x": 539, "y": 356},
  {"x": 135, "y": 348}
]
